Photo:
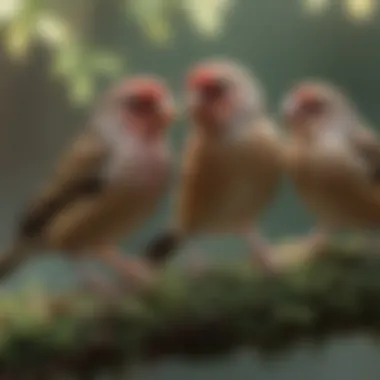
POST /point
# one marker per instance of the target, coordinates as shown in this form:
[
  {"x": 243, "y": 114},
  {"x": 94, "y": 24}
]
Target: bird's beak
[
  {"x": 194, "y": 100},
  {"x": 182, "y": 110},
  {"x": 290, "y": 108},
  {"x": 182, "y": 107},
  {"x": 169, "y": 109}
]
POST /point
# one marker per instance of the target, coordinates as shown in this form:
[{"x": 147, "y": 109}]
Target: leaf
[
  {"x": 64, "y": 60},
  {"x": 107, "y": 63},
  {"x": 360, "y": 10},
  {"x": 9, "y": 9},
  {"x": 81, "y": 88},
  {"x": 153, "y": 17},
  {"x": 22, "y": 27},
  {"x": 316, "y": 6},
  {"x": 53, "y": 29},
  {"x": 208, "y": 16},
  {"x": 17, "y": 40}
]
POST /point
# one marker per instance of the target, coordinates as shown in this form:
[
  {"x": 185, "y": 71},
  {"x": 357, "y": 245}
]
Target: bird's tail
[
  {"x": 12, "y": 258},
  {"x": 163, "y": 246}
]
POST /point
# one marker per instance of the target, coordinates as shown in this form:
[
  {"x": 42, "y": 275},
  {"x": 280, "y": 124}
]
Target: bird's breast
[
  {"x": 226, "y": 186},
  {"x": 333, "y": 184},
  {"x": 140, "y": 165}
]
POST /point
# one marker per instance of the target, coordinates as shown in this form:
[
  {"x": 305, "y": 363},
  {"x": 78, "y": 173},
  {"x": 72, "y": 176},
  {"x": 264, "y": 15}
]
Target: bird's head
[
  {"x": 142, "y": 105},
  {"x": 220, "y": 94},
  {"x": 312, "y": 107}
]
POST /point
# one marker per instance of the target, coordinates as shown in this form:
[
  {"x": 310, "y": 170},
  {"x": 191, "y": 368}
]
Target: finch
[
  {"x": 107, "y": 183},
  {"x": 333, "y": 159},
  {"x": 232, "y": 162}
]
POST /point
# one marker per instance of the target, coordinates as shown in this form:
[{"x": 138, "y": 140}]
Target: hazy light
[
  {"x": 360, "y": 10},
  {"x": 9, "y": 8},
  {"x": 52, "y": 29},
  {"x": 208, "y": 15},
  {"x": 316, "y": 6}
]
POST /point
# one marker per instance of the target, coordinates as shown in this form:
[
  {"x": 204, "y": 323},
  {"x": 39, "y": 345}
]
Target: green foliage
[
  {"x": 193, "y": 315},
  {"x": 66, "y": 27}
]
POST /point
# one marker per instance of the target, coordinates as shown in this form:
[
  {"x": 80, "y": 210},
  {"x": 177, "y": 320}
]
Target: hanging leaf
[
  {"x": 21, "y": 30},
  {"x": 316, "y": 6},
  {"x": 360, "y": 10},
  {"x": 53, "y": 30},
  {"x": 208, "y": 16},
  {"x": 153, "y": 16},
  {"x": 66, "y": 59},
  {"x": 107, "y": 63},
  {"x": 81, "y": 89},
  {"x": 17, "y": 40},
  {"x": 64, "y": 26},
  {"x": 9, "y": 9}
]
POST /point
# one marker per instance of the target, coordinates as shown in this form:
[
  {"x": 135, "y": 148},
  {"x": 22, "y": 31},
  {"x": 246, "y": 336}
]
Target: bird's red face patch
[
  {"x": 147, "y": 89},
  {"x": 201, "y": 77},
  {"x": 146, "y": 105},
  {"x": 305, "y": 104},
  {"x": 210, "y": 91}
]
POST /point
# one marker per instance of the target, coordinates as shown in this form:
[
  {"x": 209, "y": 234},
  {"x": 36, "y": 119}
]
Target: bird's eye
[
  {"x": 138, "y": 104},
  {"x": 215, "y": 89},
  {"x": 313, "y": 107}
]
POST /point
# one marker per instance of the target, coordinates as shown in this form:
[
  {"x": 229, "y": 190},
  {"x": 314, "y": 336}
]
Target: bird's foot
[
  {"x": 134, "y": 271},
  {"x": 98, "y": 285},
  {"x": 262, "y": 252},
  {"x": 315, "y": 244},
  {"x": 198, "y": 265},
  {"x": 263, "y": 258},
  {"x": 137, "y": 272},
  {"x": 91, "y": 281}
]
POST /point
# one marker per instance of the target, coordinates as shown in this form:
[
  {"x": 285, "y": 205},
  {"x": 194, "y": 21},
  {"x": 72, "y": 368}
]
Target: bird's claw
[
  {"x": 264, "y": 261},
  {"x": 137, "y": 272},
  {"x": 198, "y": 266},
  {"x": 97, "y": 284}
]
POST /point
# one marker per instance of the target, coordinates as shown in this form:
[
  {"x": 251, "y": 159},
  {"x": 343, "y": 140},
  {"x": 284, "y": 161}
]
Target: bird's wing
[
  {"x": 367, "y": 145},
  {"x": 78, "y": 174}
]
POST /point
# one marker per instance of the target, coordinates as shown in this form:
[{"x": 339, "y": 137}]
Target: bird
[
  {"x": 107, "y": 182},
  {"x": 332, "y": 158},
  {"x": 231, "y": 164}
]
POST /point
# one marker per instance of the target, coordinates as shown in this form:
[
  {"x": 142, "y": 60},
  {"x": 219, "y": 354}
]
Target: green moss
[{"x": 194, "y": 315}]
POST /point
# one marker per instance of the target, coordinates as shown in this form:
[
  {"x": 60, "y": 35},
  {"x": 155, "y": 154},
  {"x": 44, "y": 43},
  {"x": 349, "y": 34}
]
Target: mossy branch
[{"x": 193, "y": 315}]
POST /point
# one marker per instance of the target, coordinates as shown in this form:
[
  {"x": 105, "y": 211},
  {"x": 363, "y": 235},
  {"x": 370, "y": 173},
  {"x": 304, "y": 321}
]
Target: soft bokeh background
[{"x": 56, "y": 56}]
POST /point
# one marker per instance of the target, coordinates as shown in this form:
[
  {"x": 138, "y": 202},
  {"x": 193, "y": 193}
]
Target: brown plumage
[
  {"x": 225, "y": 185},
  {"x": 333, "y": 158},
  {"x": 232, "y": 163},
  {"x": 108, "y": 182}
]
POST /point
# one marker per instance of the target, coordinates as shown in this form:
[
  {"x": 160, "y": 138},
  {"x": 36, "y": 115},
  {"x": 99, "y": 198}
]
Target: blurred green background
[{"x": 56, "y": 56}]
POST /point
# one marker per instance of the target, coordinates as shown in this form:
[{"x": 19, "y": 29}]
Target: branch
[{"x": 214, "y": 313}]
